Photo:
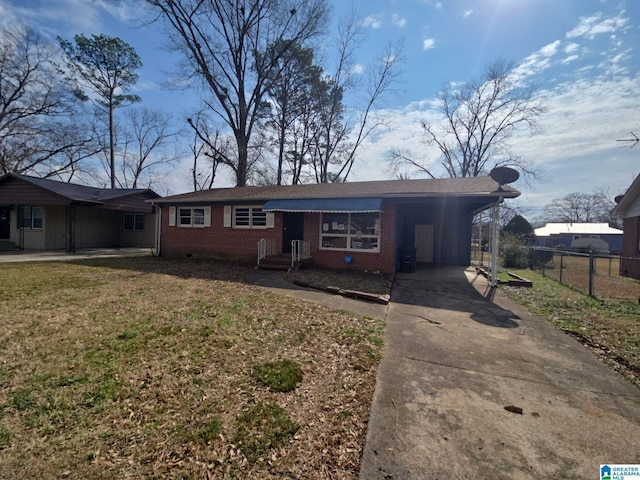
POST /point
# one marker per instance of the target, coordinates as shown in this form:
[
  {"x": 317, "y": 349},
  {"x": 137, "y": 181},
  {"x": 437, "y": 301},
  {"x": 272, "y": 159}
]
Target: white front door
[{"x": 424, "y": 243}]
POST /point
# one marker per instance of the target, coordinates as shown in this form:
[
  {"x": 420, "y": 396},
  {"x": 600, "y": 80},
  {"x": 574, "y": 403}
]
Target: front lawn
[{"x": 156, "y": 368}]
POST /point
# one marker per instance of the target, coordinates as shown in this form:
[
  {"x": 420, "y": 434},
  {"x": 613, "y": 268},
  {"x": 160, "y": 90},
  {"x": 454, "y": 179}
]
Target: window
[
  {"x": 191, "y": 217},
  {"x": 133, "y": 222},
  {"x": 30, "y": 217},
  {"x": 350, "y": 231},
  {"x": 196, "y": 217},
  {"x": 249, "y": 217}
]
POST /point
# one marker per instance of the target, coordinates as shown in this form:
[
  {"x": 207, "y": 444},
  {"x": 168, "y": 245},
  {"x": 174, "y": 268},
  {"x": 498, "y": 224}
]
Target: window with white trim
[
  {"x": 190, "y": 217},
  {"x": 30, "y": 217},
  {"x": 350, "y": 231},
  {"x": 133, "y": 222},
  {"x": 249, "y": 217}
]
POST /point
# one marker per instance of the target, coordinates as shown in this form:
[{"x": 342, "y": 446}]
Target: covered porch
[{"x": 336, "y": 228}]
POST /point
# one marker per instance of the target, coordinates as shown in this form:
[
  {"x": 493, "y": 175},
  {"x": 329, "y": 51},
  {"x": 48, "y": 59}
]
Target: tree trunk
[{"x": 112, "y": 147}]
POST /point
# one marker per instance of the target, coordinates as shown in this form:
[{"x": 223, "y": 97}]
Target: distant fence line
[{"x": 594, "y": 273}]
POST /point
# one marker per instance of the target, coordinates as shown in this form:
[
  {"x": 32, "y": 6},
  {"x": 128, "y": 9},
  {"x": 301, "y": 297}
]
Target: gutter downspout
[{"x": 158, "y": 228}]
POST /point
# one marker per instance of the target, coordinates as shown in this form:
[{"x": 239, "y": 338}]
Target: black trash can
[{"x": 407, "y": 257}]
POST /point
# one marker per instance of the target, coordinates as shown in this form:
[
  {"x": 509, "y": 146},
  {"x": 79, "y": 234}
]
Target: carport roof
[
  {"x": 80, "y": 194},
  {"x": 484, "y": 187}
]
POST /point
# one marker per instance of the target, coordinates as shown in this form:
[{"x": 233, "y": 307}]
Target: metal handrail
[
  {"x": 300, "y": 249},
  {"x": 266, "y": 247}
]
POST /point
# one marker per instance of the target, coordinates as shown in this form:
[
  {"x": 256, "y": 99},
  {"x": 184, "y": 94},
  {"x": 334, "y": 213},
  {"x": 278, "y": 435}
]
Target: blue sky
[{"x": 582, "y": 55}]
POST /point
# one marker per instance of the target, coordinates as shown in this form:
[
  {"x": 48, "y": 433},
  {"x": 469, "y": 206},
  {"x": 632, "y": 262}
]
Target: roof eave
[{"x": 629, "y": 196}]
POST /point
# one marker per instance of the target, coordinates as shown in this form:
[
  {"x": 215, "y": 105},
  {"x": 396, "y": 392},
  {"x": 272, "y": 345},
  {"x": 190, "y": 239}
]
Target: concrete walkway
[
  {"x": 454, "y": 360},
  {"x": 455, "y": 356},
  {"x": 60, "y": 255}
]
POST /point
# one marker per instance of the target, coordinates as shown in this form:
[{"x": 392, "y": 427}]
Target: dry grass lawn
[
  {"x": 146, "y": 368},
  {"x": 608, "y": 326}
]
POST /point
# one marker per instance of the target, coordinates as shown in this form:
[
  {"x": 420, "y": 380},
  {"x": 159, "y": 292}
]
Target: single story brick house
[
  {"x": 580, "y": 237},
  {"x": 629, "y": 208},
  {"x": 360, "y": 225},
  {"x": 42, "y": 214}
]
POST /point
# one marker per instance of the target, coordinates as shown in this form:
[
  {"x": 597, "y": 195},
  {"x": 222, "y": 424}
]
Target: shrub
[{"x": 513, "y": 251}]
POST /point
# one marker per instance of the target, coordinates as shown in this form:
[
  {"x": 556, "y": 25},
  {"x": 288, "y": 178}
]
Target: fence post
[
  {"x": 561, "y": 265},
  {"x": 591, "y": 271}
]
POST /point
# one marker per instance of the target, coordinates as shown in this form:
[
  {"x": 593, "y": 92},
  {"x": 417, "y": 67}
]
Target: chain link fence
[{"x": 592, "y": 273}]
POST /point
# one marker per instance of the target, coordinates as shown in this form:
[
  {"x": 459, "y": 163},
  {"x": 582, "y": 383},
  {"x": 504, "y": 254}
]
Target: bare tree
[
  {"x": 148, "y": 145},
  {"x": 478, "y": 119},
  {"x": 335, "y": 148},
  {"x": 106, "y": 67},
  {"x": 41, "y": 122},
  {"x": 214, "y": 146},
  {"x": 580, "y": 207},
  {"x": 229, "y": 47},
  {"x": 291, "y": 98}
]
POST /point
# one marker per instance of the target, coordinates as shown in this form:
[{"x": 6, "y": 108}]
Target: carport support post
[
  {"x": 495, "y": 218},
  {"x": 592, "y": 271}
]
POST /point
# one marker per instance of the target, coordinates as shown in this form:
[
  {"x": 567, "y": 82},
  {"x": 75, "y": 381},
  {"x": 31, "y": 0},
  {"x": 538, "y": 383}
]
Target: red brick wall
[
  {"x": 630, "y": 261},
  {"x": 216, "y": 241}
]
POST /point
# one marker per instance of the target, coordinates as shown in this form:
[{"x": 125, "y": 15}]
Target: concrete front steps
[
  {"x": 281, "y": 262},
  {"x": 7, "y": 246}
]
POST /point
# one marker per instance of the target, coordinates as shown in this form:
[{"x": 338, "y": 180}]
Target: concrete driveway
[{"x": 454, "y": 360}]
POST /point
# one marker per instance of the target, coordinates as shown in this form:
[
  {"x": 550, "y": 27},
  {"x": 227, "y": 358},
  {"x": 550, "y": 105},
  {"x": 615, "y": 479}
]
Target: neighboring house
[
  {"x": 360, "y": 225},
  {"x": 629, "y": 208},
  {"x": 580, "y": 237},
  {"x": 42, "y": 214}
]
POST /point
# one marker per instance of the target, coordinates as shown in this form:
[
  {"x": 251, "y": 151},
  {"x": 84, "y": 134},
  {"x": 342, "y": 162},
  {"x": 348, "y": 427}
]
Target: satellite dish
[
  {"x": 618, "y": 199},
  {"x": 504, "y": 175}
]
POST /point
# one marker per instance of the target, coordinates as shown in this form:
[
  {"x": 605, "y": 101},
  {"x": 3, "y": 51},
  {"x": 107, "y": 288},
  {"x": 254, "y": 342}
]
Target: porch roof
[{"x": 326, "y": 205}]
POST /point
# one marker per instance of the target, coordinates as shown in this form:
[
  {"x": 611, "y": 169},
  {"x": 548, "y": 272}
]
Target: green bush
[{"x": 514, "y": 252}]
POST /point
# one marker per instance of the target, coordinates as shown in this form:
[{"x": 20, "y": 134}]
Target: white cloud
[
  {"x": 570, "y": 48},
  {"x": 372, "y": 21},
  {"x": 550, "y": 49},
  {"x": 615, "y": 65},
  {"x": 570, "y": 59},
  {"x": 431, "y": 3},
  {"x": 537, "y": 61},
  {"x": 358, "y": 68},
  {"x": 596, "y": 24},
  {"x": 398, "y": 21},
  {"x": 428, "y": 43},
  {"x": 70, "y": 16}
]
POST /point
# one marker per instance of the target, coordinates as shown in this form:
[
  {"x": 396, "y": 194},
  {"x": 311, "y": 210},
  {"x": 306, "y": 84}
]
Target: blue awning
[{"x": 325, "y": 205}]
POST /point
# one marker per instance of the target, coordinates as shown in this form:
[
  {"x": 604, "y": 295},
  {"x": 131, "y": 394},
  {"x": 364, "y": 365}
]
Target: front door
[
  {"x": 424, "y": 243},
  {"x": 292, "y": 229},
  {"x": 5, "y": 223}
]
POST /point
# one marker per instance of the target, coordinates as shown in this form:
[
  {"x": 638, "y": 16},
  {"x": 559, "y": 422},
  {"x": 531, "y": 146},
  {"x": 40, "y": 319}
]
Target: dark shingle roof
[
  {"x": 78, "y": 193},
  {"x": 475, "y": 186}
]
